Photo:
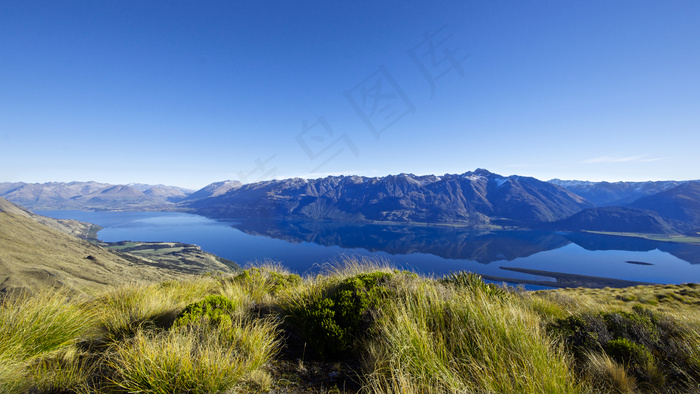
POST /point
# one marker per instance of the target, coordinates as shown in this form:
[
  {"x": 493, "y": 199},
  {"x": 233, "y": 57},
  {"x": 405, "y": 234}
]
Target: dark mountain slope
[
  {"x": 616, "y": 219},
  {"x": 682, "y": 204}
]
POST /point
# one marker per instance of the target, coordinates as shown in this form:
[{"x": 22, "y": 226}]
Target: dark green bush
[
  {"x": 582, "y": 333},
  {"x": 214, "y": 309},
  {"x": 628, "y": 353},
  {"x": 632, "y": 326},
  {"x": 331, "y": 323},
  {"x": 649, "y": 345}
]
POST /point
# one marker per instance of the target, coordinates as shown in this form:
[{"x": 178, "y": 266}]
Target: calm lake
[{"x": 304, "y": 247}]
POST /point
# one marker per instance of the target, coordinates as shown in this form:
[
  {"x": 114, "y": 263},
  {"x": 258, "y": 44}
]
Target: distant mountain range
[
  {"x": 475, "y": 199},
  {"x": 92, "y": 196},
  {"x": 213, "y": 190},
  {"x": 604, "y": 194},
  {"x": 674, "y": 209}
]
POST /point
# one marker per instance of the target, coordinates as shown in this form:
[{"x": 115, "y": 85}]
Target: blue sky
[{"x": 188, "y": 93}]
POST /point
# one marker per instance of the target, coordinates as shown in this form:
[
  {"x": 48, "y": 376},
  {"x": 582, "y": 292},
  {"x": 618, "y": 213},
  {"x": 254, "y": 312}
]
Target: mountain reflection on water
[
  {"x": 482, "y": 246},
  {"x": 687, "y": 252},
  {"x": 531, "y": 258}
]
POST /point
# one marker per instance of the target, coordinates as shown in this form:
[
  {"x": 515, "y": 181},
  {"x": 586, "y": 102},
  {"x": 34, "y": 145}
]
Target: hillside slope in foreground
[
  {"x": 38, "y": 252},
  {"x": 359, "y": 328}
]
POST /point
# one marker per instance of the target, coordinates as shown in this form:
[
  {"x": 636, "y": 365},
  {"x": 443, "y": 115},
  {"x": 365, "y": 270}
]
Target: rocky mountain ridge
[{"x": 478, "y": 198}]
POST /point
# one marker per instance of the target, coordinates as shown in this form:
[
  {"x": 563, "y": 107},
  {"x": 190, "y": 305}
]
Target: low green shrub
[
  {"x": 633, "y": 326},
  {"x": 214, "y": 309},
  {"x": 334, "y": 319},
  {"x": 626, "y": 352},
  {"x": 628, "y": 297},
  {"x": 582, "y": 333}
]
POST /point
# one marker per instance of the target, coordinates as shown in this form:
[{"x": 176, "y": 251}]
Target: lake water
[{"x": 304, "y": 247}]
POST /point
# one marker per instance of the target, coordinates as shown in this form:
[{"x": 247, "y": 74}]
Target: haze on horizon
[{"x": 185, "y": 93}]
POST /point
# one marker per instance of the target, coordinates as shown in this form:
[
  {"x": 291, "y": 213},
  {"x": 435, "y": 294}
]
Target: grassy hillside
[
  {"x": 184, "y": 258},
  {"x": 38, "y": 252},
  {"x": 72, "y": 227},
  {"x": 357, "y": 328}
]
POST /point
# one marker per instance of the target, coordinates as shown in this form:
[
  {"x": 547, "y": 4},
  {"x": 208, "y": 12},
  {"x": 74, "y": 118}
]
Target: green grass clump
[
  {"x": 195, "y": 358},
  {"x": 35, "y": 328},
  {"x": 34, "y": 324},
  {"x": 470, "y": 280},
  {"x": 65, "y": 371},
  {"x": 436, "y": 339},
  {"x": 129, "y": 309},
  {"x": 266, "y": 280},
  {"x": 123, "y": 340},
  {"x": 213, "y": 309}
]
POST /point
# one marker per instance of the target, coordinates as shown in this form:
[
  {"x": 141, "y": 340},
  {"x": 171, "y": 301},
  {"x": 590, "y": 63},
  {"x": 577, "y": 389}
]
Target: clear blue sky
[{"x": 188, "y": 93}]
